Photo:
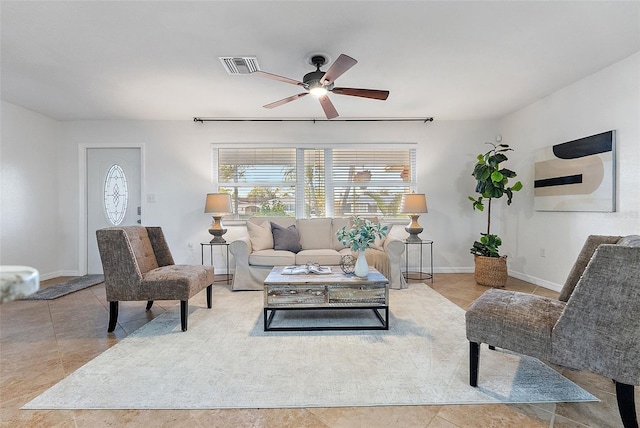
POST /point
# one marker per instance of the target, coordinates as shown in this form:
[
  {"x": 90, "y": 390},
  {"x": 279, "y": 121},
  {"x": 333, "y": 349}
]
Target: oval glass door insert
[{"x": 116, "y": 194}]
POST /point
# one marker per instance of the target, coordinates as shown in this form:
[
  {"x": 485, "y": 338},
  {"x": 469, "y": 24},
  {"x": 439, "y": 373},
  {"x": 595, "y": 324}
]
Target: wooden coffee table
[{"x": 330, "y": 291}]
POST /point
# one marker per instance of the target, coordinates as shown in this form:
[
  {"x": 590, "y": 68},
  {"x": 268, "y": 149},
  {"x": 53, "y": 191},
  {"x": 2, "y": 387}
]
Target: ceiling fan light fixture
[{"x": 318, "y": 91}]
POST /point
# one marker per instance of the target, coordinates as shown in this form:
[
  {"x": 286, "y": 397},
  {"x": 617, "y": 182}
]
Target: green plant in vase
[
  {"x": 492, "y": 182},
  {"x": 359, "y": 238}
]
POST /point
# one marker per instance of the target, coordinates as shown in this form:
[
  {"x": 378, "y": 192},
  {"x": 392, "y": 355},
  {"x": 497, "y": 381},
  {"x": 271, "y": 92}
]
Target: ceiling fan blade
[
  {"x": 276, "y": 77},
  {"x": 374, "y": 94},
  {"x": 329, "y": 110},
  {"x": 342, "y": 64},
  {"x": 286, "y": 100}
]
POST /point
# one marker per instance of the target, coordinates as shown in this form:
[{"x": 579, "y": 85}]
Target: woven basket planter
[{"x": 491, "y": 271}]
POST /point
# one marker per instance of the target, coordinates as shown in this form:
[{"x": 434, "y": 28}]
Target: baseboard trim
[{"x": 537, "y": 281}]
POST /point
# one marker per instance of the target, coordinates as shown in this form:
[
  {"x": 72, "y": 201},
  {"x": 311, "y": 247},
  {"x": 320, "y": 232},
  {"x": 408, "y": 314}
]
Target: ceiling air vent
[{"x": 236, "y": 65}]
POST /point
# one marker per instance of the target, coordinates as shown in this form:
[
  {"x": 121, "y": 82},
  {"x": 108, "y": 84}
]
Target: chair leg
[
  {"x": 184, "y": 311},
  {"x": 626, "y": 404},
  {"x": 209, "y": 290},
  {"x": 474, "y": 362},
  {"x": 149, "y": 304},
  {"x": 113, "y": 316}
]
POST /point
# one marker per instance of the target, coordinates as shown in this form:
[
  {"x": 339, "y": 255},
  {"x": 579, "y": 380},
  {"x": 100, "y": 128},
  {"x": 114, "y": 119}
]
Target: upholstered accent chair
[
  {"x": 595, "y": 328},
  {"x": 138, "y": 266}
]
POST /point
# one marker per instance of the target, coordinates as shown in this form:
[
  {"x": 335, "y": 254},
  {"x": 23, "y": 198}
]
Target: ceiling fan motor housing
[{"x": 312, "y": 80}]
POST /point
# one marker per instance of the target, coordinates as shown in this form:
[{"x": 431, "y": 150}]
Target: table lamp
[
  {"x": 413, "y": 204},
  {"x": 217, "y": 204}
]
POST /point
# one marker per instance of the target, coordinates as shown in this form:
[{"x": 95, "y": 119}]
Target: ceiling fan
[{"x": 319, "y": 83}]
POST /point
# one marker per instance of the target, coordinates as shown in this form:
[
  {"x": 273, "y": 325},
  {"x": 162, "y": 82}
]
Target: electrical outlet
[{"x": 542, "y": 252}]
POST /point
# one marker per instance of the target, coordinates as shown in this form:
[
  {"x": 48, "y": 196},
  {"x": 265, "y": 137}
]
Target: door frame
[{"x": 82, "y": 196}]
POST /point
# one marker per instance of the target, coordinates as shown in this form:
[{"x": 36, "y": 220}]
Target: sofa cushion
[
  {"x": 285, "y": 238},
  {"x": 315, "y": 233},
  {"x": 272, "y": 258},
  {"x": 325, "y": 257},
  {"x": 174, "y": 282},
  {"x": 260, "y": 235}
]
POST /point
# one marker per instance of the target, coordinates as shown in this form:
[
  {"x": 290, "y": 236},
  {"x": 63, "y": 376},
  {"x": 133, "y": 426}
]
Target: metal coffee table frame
[{"x": 384, "y": 321}]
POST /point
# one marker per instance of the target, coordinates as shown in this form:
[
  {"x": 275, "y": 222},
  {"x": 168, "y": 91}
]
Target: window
[
  {"x": 315, "y": 182},
  {"x": 370, "y": 182}
]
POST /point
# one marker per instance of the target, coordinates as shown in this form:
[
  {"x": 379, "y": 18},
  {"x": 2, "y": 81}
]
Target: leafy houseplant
[
  {"x": 359, "y": 238},
  {"x": 492, "y": 182}
]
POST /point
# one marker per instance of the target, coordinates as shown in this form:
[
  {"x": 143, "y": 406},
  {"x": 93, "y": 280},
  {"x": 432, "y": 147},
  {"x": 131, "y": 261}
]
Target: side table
[
  {"x": 216, "y": 244},
  {"x": 420, "y": 274}
]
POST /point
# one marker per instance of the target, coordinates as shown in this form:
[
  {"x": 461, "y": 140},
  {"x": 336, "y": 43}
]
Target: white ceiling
[{"x": 159, "y": 60}]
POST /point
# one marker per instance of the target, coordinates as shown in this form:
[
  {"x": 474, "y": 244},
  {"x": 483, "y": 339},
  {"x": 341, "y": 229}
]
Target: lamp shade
[
  {"x": 218, "y": 203},
  {"x": 413, "y": 203}
]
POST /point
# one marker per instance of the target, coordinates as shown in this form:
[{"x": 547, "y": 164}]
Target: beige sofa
[{"x": 255, "y": 255}]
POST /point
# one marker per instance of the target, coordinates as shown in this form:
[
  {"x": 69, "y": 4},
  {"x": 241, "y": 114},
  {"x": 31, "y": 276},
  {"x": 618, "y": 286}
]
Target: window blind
[
  {"x": 367, "y": 182},
  {"x": 315, "y": 182},
  {"x": 259, "y": 180}
]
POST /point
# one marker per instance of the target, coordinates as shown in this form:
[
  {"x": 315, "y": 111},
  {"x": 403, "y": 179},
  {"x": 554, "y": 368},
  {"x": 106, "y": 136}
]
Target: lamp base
[
  {"x": 413, "y": 234},
  {"x": 217, "y": 236},
  {"x": 414, "y": 229},
  {"x": 217, "y": 230}
]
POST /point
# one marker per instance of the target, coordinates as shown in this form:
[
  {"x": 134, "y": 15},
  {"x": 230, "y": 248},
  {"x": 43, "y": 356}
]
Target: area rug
[
  {"x": 66, "y": 287},
  {"x": 226, "y": 360}
]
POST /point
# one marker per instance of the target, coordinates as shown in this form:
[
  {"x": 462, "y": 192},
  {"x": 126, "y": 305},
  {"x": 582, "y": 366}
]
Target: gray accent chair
[
  {"x": 138, "y": 266},
  {"x": 595, "y": 326}
]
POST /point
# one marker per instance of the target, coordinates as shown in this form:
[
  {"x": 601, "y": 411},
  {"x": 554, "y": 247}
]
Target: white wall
[
  {"x": 609, "y": 99},
  {"x": 178, "y": 173},
  {"x": 29, "y": 215}
]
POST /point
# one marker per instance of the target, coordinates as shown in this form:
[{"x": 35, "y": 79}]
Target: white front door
[{"x": 113, "y": 195}]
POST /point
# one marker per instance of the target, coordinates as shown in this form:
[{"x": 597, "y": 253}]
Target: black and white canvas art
[{"x": 577, "y": 175}]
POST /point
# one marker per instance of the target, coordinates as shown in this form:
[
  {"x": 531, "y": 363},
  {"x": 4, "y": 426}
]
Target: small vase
[{"x": 362, "y": 268}]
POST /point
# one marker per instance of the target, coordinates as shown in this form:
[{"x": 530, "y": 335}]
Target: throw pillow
[
  {"x": 285, "y": 238},
  {"x": 260, "y": 236}
]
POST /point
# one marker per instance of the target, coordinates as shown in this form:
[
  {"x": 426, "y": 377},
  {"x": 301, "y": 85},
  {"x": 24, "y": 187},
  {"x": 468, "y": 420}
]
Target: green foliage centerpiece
[
  {"x": 360, "y": 237},
  {"x": 492, "y": 182}
]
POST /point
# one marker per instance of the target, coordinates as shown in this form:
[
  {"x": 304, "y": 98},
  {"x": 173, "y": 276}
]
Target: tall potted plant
[{"x": 492, "y": 182}]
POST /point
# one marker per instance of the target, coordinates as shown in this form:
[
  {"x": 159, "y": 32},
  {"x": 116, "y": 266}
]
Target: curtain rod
[{"x": 211, "y": 119}]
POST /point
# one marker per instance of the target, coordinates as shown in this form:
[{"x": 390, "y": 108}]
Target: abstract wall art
[{"x": 578, "y": 175}]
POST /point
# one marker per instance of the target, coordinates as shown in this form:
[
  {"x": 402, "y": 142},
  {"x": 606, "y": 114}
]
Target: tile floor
[{"x": 43, "y": 341}]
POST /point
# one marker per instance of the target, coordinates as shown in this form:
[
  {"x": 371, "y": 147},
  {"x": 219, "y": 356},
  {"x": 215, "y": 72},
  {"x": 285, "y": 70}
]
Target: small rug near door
[
  {"x": 66, "y": 287},
  {"x": 226, "y": 360}
]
